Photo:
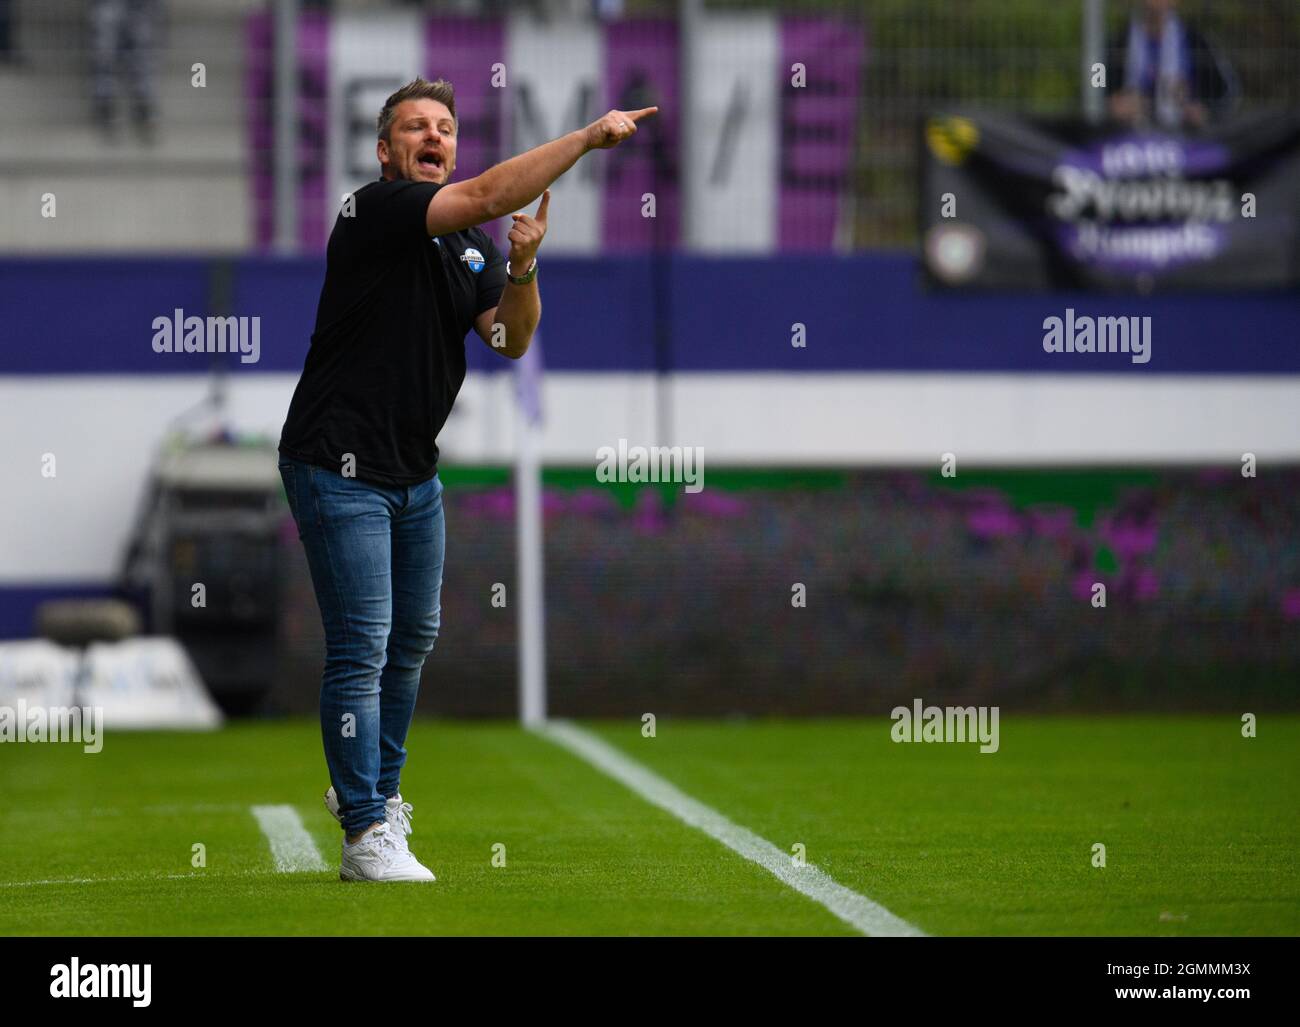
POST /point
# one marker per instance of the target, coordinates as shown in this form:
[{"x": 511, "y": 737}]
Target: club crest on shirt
[{"x": 474, "y": 259}]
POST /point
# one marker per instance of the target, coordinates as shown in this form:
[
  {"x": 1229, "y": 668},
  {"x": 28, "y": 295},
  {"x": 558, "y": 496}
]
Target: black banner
[
  {"x": 1015, "y": 202},
  {"x": 1227, "y": 979}
]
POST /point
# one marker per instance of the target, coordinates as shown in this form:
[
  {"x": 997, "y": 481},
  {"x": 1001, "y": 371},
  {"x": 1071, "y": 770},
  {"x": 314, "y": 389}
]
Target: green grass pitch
[{"x": 1200, "y": 827}]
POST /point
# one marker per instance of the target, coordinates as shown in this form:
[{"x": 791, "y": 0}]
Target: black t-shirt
[{"x": 387, "y": 357}]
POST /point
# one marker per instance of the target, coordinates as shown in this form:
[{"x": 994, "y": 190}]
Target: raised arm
[{"x": 515, "y": 183}]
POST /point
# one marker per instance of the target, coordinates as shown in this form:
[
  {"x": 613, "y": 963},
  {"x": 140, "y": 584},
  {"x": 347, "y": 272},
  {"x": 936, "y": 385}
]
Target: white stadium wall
[{"x": 104, "y": 431}]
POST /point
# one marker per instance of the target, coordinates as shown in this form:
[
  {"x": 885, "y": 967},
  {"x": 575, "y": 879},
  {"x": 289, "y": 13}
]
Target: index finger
[
  {"x": 642, "y": 113},
  {"x": 541, "y": 207}
]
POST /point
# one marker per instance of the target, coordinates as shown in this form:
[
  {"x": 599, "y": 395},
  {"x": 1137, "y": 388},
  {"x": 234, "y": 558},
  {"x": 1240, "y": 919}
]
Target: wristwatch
[{"x": 526, "y": 277}]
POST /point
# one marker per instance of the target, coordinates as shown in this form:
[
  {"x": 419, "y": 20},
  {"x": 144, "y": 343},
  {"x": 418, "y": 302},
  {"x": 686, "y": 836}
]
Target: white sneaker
[
  {"x": 397, "y": 814},
  {"x": 377, "y": 856}
]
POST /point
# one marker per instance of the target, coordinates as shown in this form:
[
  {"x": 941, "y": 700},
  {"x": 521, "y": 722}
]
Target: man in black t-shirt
[{"x": 408, "y": 273}]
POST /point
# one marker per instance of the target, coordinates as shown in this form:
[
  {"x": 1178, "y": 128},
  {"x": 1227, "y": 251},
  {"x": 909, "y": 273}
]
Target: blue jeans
[{"x": 375, "y": 555}]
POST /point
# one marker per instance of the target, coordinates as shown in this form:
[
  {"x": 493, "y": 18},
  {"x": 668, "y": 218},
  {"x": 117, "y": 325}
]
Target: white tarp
[{"x": 136, "y": 683}]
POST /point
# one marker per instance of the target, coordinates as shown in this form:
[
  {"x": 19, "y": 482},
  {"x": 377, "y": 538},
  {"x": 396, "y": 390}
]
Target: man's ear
[{"x": 381, "y": 151}]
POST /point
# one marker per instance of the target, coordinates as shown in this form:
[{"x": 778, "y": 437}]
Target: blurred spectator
[
  {"x": 8, "y": 54},
  {"x": 1168, "y": 74},
  {"x": 122, "y": 42}
]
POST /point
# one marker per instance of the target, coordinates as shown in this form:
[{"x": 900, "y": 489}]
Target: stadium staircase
[{"x": 188, "y": 190}]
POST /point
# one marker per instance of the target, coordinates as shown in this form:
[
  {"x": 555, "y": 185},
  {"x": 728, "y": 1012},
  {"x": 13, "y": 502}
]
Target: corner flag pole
[{"x": 528, "y": 536}]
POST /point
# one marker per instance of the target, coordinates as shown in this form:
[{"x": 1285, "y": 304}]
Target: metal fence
[{"x": 1022, "y": 55}]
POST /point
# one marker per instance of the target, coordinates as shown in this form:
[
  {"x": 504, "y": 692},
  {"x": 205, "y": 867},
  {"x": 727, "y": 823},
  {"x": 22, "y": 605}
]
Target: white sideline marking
[
  {"x": 134, "y": 878},
  {"x": 59, "y": 880},
  {"x": 856, "y": 910},
  {"x": 291, "y": 845}
]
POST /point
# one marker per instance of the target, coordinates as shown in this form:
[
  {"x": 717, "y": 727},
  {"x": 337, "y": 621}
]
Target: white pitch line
[
  {"x": 132, "y": 878},
  {"x": 291, "y": 845},
  {"x": 856, "y": 910},
  {"x": 59, "y": 880}
]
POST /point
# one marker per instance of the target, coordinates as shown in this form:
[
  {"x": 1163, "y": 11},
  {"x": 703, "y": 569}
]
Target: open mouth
[{"x": 431, "y": 160}]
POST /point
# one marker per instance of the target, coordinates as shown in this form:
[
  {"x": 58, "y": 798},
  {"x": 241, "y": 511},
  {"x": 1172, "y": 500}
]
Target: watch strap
[{"x": 525, "y": 278}]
